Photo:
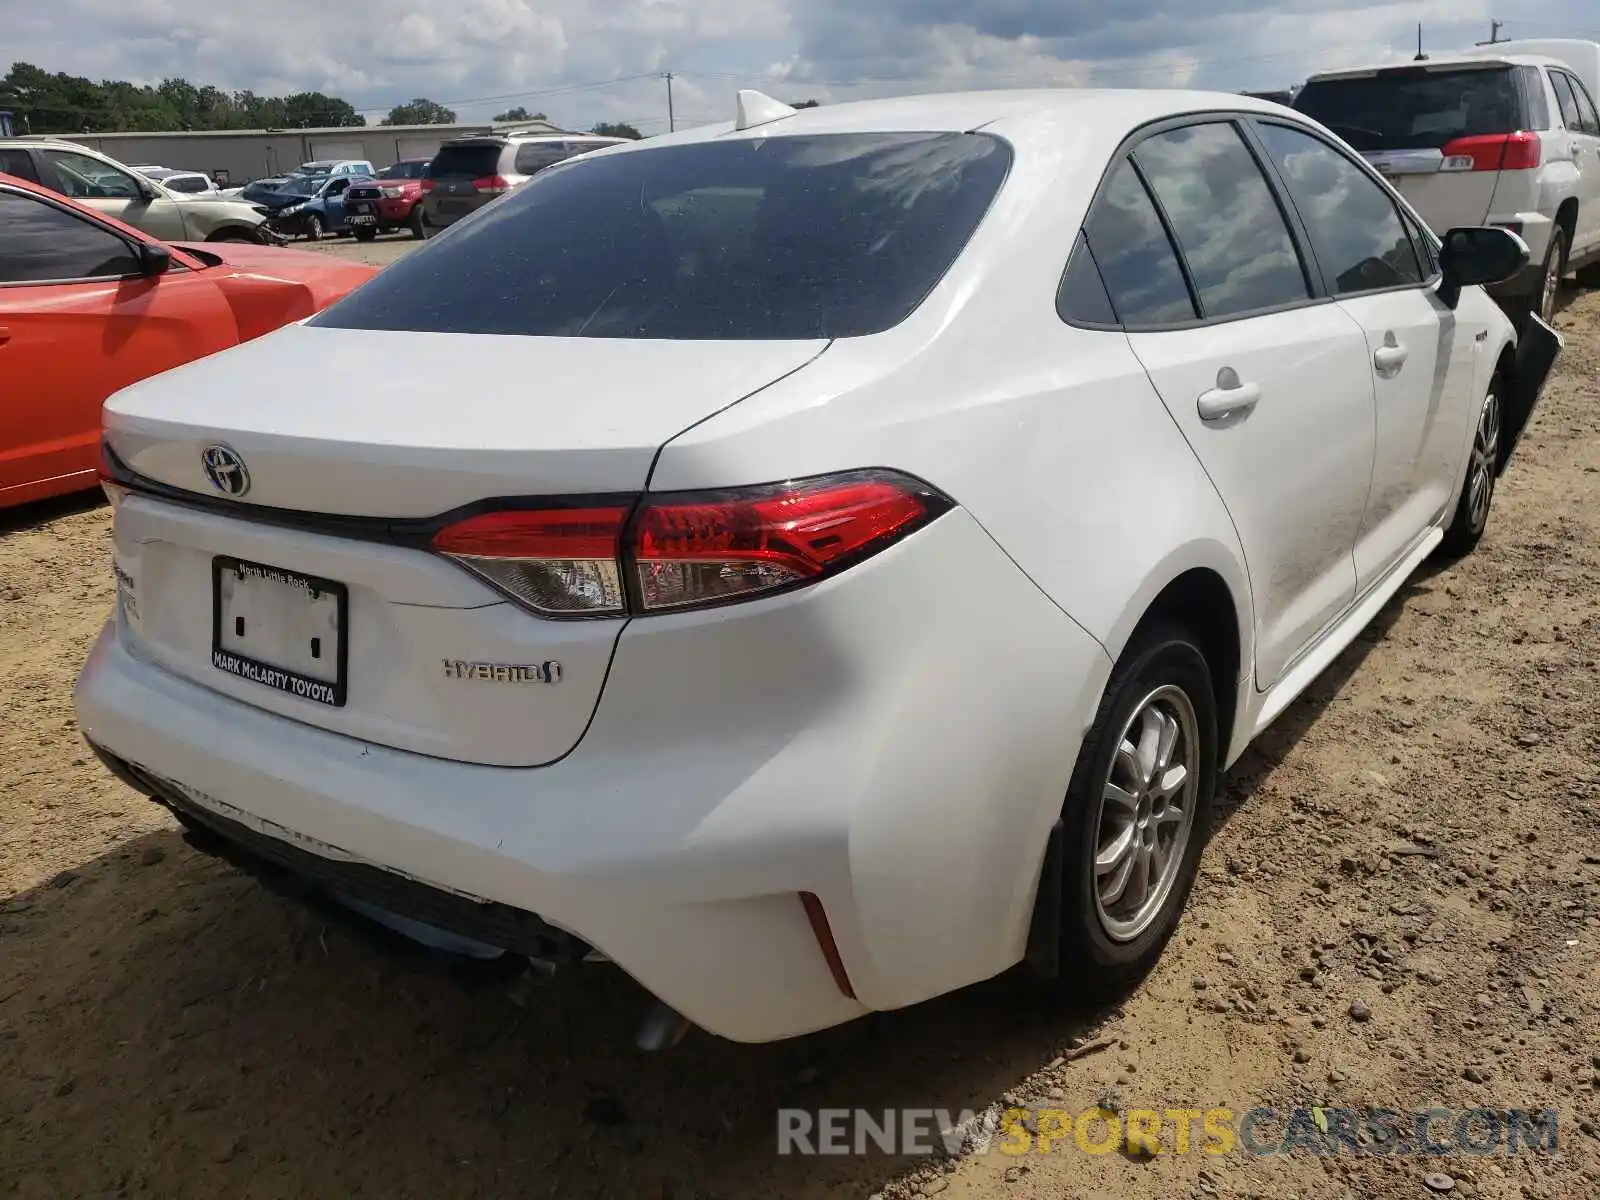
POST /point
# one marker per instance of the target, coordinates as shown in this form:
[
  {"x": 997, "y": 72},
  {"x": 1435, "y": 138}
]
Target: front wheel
[
  {"x": 314, "y": 228},
  {"x": 1138, "y": 810},
  {"x": 1483, "y": 471}
]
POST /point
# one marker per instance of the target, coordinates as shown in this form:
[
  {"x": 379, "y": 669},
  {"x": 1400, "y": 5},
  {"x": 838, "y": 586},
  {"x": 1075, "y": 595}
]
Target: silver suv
[
  {"x": 107, "y": 186},
  {"x": 1483, "y": 139},
  {"x": 469, "y": 172}
]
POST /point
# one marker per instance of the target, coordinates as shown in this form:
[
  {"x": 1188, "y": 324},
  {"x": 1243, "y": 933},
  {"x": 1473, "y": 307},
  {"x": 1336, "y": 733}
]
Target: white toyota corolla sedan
[{"x": 814, "y": 562}]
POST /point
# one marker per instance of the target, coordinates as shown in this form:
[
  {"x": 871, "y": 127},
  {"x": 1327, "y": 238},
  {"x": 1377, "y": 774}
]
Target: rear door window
[
  {"x": 796, "y": 237},
  {"x": 1136, "y": 257},
  {"x": 1571, "y": 117},
  {"x": 478, "y": 161},
  {"x": 1412, "y": 108},
  {"x": 1588, "y": 119},
  {"x": 1355, "y": 228},
  {"x": 1233, "y": 237}
]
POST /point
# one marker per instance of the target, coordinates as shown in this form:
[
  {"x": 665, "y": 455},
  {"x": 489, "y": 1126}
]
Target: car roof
[{"x": 1444, "y": 62}]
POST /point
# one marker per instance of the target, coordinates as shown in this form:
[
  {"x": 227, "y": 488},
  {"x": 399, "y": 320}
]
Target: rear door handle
[
  {"x": 1230, "y": 396},
  {"x": 1390, "y": 357}
]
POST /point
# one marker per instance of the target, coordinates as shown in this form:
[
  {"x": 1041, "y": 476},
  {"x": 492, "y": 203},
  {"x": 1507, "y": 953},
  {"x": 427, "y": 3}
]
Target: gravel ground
[{"x": 1400, "y": 908}]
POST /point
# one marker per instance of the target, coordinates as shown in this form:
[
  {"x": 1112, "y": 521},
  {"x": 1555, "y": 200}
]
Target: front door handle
[
  {"x": 1390, "y": 357},
  {"x": 1229, "y": 397}
]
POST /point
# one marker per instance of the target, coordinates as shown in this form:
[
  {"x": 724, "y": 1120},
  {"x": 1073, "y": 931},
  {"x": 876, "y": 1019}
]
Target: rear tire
[
  {"x": 415, "y": 223},
  {"x": 367, "y": 234},
  {"x": 1138, "y": 810},
  {"x": 1483, "y": 472},
  {"x": 1543, "y": 300}
]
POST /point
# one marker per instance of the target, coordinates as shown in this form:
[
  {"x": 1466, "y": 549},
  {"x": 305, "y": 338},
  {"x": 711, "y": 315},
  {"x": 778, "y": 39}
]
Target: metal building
[{"x": 240, "y": 155}]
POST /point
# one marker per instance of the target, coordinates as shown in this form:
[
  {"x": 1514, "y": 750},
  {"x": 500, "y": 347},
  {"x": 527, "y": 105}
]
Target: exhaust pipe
[{"x": 662, "y": 1028}]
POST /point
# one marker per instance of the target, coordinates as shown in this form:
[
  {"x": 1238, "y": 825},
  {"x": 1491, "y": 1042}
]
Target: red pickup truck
[{"x": 389, "y": 202}]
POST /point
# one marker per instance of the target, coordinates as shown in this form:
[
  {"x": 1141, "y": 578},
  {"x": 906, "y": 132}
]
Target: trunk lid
[{"x": 303, "y": 596}]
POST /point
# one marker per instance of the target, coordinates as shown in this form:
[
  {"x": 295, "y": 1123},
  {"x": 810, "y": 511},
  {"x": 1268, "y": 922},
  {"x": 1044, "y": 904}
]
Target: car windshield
[
  {"x": 303, "y": 185},
  {"x": 1414, "y": 109},
  {"x": 836, "y": 235}
]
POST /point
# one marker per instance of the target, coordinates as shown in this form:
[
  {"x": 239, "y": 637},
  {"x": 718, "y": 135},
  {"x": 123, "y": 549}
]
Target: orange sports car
[{"x": 89, "y": 305}]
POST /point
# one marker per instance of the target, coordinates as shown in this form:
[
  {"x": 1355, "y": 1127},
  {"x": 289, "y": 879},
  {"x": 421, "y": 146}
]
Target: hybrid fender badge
[
  {"x": 492, "y": 672},
  {"x": 225, "y": 469}
]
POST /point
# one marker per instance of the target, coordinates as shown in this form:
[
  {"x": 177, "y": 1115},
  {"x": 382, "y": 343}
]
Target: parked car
[
  {"x": 391, "y": 201},
  {"x": 469, "y": 172},
  {"x": 316, "y": 206},
  {"x": 336, "y": 166},
  {"x": 866, "y": 535},
  {"x": 1491, "y": 138},
  {"x": 190, "y": 183},
  {"x": 89, "y": 305},
  {"x": 114, "y": 190}
]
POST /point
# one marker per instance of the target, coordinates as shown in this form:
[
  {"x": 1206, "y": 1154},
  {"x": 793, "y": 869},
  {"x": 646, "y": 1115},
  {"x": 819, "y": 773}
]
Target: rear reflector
[
  {"x": 688, "y": 550},
  {"x": 427, "y": 185},
  {"x": 559, "y": 562},
  {"x": 697, "y": 550},
  {"x": 1493, "y": 152}
]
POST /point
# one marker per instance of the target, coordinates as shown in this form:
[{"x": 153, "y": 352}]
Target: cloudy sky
[{"x": 588, "y": 60}]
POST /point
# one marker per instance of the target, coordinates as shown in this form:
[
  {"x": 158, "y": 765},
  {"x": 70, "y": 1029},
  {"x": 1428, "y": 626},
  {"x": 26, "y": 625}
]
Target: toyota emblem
[{"x": 226, "y": 470}]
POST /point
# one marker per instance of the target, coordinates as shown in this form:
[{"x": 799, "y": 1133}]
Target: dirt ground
[{"x": 1417, "y": 835}]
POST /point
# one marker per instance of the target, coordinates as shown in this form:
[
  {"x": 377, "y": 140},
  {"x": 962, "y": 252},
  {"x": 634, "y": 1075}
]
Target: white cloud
[{"x": 558, "y": 55}]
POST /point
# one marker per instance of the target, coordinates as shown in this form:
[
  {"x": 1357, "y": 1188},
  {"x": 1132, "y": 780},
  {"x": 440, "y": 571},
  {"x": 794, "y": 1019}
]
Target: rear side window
[
  {"x": 1082, "y": 299},
  {"x": 18, "y": 163},
  {"x": 466, "y": 162},
  {"x": 1571, "y": 117},
  {"x": 1412, "y": 108},
  {"x": 1360, "y": 241},
  {"x": 533, "y": 157},
  {"x": 795, "y": 237},
  {"x": 43, "y": 242},
  {"x": 1588, "y": 120},
  {"x": 1537, "y": 108},
  {"x": 1136, "y": 257},
  {"x": 1234, "y": 239}
]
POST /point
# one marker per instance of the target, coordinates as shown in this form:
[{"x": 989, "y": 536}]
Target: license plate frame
[{"x": 284, "y": 680}]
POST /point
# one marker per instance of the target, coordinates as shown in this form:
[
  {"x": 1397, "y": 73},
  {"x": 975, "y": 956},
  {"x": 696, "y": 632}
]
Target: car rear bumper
[
  {"x": 1534, "y": 229},
  {"x": 895, "y": 742}
]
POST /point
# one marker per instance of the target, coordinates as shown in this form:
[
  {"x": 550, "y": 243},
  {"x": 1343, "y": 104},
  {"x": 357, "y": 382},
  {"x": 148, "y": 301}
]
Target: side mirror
[
  {"x": 1478, "y": 255},
  {"x": 154, "y": 258},
  {"x": 147, "y": 191}
]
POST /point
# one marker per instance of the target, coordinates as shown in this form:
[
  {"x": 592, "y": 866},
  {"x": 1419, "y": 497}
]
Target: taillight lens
[
  {"x": 688, "y": 550},
  {"x": 560, "y": 562},
  {"x": 698, "y": 550},
  {"x": 427, "y": 185},
  {"x": 114, "y": 491},
  {"x": 1493, "y": 152},
  {"x": 494, "y": 185}
]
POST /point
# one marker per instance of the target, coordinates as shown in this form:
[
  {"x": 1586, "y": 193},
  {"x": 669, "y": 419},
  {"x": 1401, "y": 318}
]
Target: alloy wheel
[
  {"x": 1147, "y": 810},
  {"x": 1485, "y": 465}
]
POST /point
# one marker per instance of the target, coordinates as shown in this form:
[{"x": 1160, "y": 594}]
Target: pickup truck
[{"x": 391, "y": 201}]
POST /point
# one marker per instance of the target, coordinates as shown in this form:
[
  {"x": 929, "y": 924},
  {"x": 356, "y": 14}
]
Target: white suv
[{"x": 1503, "y": 139}]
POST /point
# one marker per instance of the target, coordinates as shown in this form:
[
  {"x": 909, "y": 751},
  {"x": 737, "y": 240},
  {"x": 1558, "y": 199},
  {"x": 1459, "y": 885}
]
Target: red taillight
[
  {"x": 427, "y": 185},
  {"x": 560, "y": 562},
  {"x": 494, "y": 185},
  {"x": 687, "y": 551},
  {"x": 693, "y": 551},
  {"x": 1493, "y": 152}
]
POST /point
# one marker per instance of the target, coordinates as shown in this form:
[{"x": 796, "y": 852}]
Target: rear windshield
[
  {"x": 837, "y": 235},
  {"x": 1413, "y": 109},
  {"x": 466, "y": 162}
]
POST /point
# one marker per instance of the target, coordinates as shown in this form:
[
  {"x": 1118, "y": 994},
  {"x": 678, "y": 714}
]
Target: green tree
[
  {"x": 616, "y": 129},
  {"x": 420, "y": 111},
  {"x": 805, "y": 104},
  {"x": 520, "y": 114}
]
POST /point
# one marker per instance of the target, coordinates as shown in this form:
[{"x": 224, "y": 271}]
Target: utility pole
[
  {"x": 1494, "y": 32},
  {"x": 672, "y": 124}
]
